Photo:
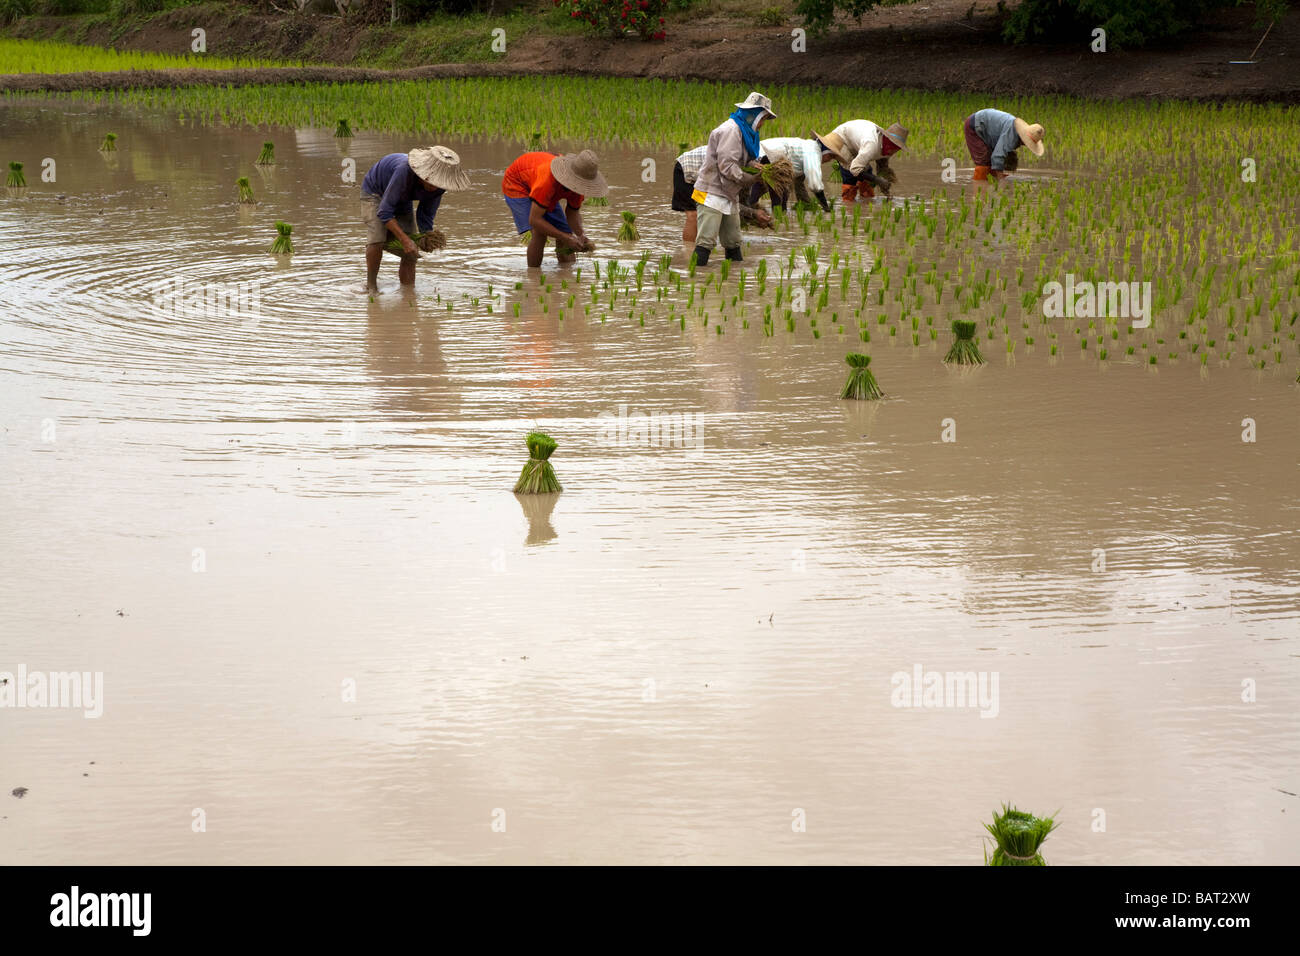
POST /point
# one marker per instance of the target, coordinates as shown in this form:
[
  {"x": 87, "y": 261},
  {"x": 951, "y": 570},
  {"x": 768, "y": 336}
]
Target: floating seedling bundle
[
  {"x": 342, "y": 130},
  {"x": 283, "y": 245},
  {"x": 777, "y": 177},
  {"x": 109, "y": 144},
  {"x": 964, "y": 351},
  {"x": 15, "y": 177},
  {"x": 245, "y": 190},
  {"x": 538, "y": 477},
  {"x": 861, "y": 384},
  {"x": 430, "y": 241},
  {"x": 627, "y": 232},
  {"x": 1018, "y": 836},
  {"x": 267, "y": 156}
]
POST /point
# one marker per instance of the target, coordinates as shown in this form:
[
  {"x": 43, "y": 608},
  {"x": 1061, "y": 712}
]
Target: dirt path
[{"x": 928, "y": 47}]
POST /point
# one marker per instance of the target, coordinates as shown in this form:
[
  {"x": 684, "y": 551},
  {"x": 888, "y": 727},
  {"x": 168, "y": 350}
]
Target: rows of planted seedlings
[{"x": 48, "y": 56}]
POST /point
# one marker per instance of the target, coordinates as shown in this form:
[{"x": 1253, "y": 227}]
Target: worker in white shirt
[
  {"x": 807, "y": 157},
  {"x": 856, "y": 145}
]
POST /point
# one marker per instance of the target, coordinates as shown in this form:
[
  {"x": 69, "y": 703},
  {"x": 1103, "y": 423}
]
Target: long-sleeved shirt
[
  {"x": 998, "y": 129},
  {"x": 691, "y": 161},
  {"x": 722, "y": 174},
  {"x": 393, "y": 180},
  {"x": 804, "y": 154},
  {"x": 862, "y": 138}
]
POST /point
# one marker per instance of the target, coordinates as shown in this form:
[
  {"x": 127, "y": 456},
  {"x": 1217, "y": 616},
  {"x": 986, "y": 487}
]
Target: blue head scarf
[{"x": 745, "y": 119}]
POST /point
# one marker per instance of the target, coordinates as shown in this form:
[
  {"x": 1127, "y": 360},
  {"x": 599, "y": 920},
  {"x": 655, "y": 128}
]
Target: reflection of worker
[
  {"x": 806, "y": 156},
  {"x": 992, "y": 137},
  {"x": 857, "y": 144},
  {"x": 387, "y": 194},
  {"x": 535, "y": 183},
  {"x": 685, "y": 172},
  {"x": 732, "y": 146}
]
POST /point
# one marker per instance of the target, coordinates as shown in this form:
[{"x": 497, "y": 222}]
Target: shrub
[
  {"x": 819, "y": 15},
  {"x": 770, "y": 17},
  {"x": 1126, "y": 22},
  {"x": 620, "y": 17},
  {"x": 11, "y": 10}
]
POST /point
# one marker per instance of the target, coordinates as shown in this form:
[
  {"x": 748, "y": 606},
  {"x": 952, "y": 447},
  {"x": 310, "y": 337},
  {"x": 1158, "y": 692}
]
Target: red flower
[{"x": 660, "y": 35}]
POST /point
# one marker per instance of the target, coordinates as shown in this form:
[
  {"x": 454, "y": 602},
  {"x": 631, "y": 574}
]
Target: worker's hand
[
  {"x": 408, "y": 247},
  {"x": 763, "y": 219},
  {"x": 582, "y": 243}
]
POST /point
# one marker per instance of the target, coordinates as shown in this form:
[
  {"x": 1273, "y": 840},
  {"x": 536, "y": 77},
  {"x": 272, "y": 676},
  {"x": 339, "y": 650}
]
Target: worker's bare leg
[
  {"x": 374, "y": 254},
  {"x": 689, "y": 229},
  {"x": 406, "y": 271},
  {"x": 536, "y": 246}
]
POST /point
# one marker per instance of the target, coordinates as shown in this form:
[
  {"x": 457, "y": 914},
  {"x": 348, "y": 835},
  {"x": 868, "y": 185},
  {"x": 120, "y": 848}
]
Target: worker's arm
[
  {"x": 867, "y": 154},
  {"x": 574, "y": 215},
  {"x": 1007, "y": 142},
  {"x": 426, "y": 210},
  {"x": 538, "y": 224},
  {"x": 730, "y": 155},
  {"x": 394, "y": 195},
  {"x": 408, "y": 244}
]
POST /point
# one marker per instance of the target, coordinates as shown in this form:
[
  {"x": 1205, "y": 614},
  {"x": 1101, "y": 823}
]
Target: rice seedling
[
  {"x": 596, "y": 201},
  {"x": 628, "y": 232},
  {"x": 245, "y": 190},
  {"x": 109, "y": 144},
  {"x": 431, "y": 241},
  {"x": 283, "y": 245},
  {"x": 777, "y": 177},
  {"x": 342, "y": 130},
  {"x": 538, "y": 476},
  {"x": 1018, "y": 837},
  {"x": 44, "y": 56},
  {"x": 861, "y": 383},
  {"x": 964, "y": 351},
  {"x": 267, "y": 156},
  {"x": 15, "y": 177}
]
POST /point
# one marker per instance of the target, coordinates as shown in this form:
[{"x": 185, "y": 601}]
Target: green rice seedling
[
  {"x": 15, "y": 178},
  {"x": 283, "y": 245},
  {"x": 628, "y": 232},
  {"x": 431, "y": 241},
  {"x": 964, "y": 351},
  {"x": 342, "y": 130},
  {"x": 1017, "y": 837},
  {"x": 109, "y": 144},
  {"x": 538, "y": 476},
  {"x": 777, "y": 177},
  {"x": 267, "y": 156},
  {"x": 596, "y": 201},
  {"x": 245, "y": 190}
]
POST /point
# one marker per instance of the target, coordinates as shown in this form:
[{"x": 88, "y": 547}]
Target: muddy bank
[{"x": 932, "y": 47}]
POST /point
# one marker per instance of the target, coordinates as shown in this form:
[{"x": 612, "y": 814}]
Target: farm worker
[
  {"x": 857, "y": 144},
  {"x": 685, "y": 172},
  {"x": 992, "y": 137},
  {"x": 535, "y": 183},
  {"x": 732, "y": 146},
  {"x": 387, "y": 192},
  {"x": 807, "y": 156}
]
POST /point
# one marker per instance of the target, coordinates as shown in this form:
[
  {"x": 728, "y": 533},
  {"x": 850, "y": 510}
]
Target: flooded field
[{"x": 329, "y": 631}]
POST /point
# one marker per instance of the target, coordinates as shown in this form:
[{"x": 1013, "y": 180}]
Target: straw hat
[
  {"x": 438, "y": 165},
  {"x": 757, "y": 100},
  {"x": 579, "y": 172},
  {"x": 897, "y": 134},
  {"x": 1031, "y": 135},
  {"x": 835, "y": 143}
]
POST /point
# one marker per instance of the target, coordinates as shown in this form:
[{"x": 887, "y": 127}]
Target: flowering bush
[{"x": 644, "y": 18}]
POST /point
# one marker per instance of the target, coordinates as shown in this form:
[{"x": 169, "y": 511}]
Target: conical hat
[
  {"x": 1031, "y": 135},
  {"x": 438, "y": 165},
  {"x": 580, "y": 172}
]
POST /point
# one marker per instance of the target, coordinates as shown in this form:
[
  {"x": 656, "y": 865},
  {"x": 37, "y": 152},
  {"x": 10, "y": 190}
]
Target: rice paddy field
[
  {"x": 45, "y": 56},
  {"x": 286, "y": 534}
]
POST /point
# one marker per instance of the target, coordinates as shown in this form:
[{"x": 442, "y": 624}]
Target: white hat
[
  {"x": 757, "y": 100},
  {"x": 438, "y": 165},
  {"x": 1031, "y": 135}
]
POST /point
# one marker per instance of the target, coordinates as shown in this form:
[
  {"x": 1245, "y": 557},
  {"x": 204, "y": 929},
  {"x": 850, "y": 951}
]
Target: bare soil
[{"x": 933, "y": 46}]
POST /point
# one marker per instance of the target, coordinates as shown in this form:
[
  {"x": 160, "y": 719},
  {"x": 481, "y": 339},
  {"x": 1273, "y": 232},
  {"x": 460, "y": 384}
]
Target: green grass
[{"x": 42, "y": 56}]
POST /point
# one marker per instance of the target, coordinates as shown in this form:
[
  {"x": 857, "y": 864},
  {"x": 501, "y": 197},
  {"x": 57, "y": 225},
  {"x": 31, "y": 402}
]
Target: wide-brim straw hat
[
  {"x": 897, "y": 134},
  {"x": 439, "y": 166},
  {"x": 1031, "y": 134},
  {"x": 757, "y": 100},
  {"x": 580, "y": 173},
  {"x": 835, "y": 143}
]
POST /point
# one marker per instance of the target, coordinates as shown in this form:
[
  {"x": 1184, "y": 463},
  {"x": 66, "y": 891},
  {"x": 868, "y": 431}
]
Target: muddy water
[{"x": 665, "y": 664}]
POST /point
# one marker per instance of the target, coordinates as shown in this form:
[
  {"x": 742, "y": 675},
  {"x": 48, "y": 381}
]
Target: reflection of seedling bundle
[
  {"x": 861, "y": 384},
  {"x": 964, "y": 351},
  {"x": 283, "y": 245},
  {"x": 109, "y": 144},
  {"x": 267, "y": 156},
  {"x": 777, "y": 177},
  {"x": 430, "y": 241},
  {"x": 343, "y": 130},
  {"x": 1018, "y": 836},
  {"x": 15, "y": 177},
  {"x": 538, "y": 477},
  {"x": 627, "y": 232},
  {"x": 245, "y": 190}
]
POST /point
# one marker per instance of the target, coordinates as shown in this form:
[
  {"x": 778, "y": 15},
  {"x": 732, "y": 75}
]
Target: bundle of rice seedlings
[
  {"x": 596, "y": 201},
  {"x": 525, "y": 237},
  {"x": 964, "y": 351},
  {"x": 15, "y": 177},
  {"x": 538, "y": 477},
  {"x": 1018, "y": 836},
  {"x": 430, "y": 241},
  {"x": 861, "y": 384},
  {"x": 283, "y": 245},
  {"x": 245, "y": 190},
  {"x": 109, "y": 144},
  {"x": 267, "y": 156},
  {"x": 627, "y": 232},
  {"x": 777, "y": 177},
  {"x": 343, "y": 130}
]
